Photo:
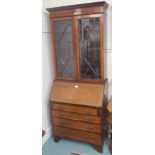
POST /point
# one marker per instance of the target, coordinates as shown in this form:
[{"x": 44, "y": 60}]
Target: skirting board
[{"x": 47, "y": 135}]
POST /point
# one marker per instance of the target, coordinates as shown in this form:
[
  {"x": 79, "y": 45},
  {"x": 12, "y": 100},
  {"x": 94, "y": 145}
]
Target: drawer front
[
  {"x": 75, "y": 109},
  {"x": 77, "y": 117},
  {"x": 78, "y": 135},
  {"x": 77, "y": 125}
]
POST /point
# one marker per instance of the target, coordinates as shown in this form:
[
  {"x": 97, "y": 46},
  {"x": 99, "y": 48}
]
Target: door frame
[
  {"x": 101, "y": 26},
  {"x": 54, "y": 48}
]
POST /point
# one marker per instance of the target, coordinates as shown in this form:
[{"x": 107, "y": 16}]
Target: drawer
[
  {"x": 78, "y": 135},
  {"x": 75, "y": 109},
  {"x": 77, "y": 125},
  {"x": 76, "y": 117}
]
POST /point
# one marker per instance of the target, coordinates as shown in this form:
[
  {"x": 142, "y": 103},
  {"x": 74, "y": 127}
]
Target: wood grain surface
[
  {"x": 76, "y": 116},
  {"x": 84, "y": 94}
]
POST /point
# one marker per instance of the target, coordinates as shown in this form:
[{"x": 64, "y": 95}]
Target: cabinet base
[{"x": 98, "y": 148}]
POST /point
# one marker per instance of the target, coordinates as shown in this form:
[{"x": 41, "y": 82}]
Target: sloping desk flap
[{"x": 78, "y": 93}]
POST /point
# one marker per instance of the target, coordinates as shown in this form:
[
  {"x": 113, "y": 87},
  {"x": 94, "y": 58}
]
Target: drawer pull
[
  {"x": 88, "y": 112},
  {"x": 87, "y": 137},
  {"x": 75, "y": 119},
  {"x": 88, "y": 128}
]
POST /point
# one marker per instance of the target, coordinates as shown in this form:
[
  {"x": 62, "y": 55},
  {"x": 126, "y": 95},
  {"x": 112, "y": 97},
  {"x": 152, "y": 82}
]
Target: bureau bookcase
[{"x": 77, "y": 95}]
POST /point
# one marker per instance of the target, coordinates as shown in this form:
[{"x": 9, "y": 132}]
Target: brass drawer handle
[
  {"x": 87, "y": 137},
  {"x": 89, "y": 128},
  {"x": 75, "y": 119},
  {"x": 88, "y": 112}
]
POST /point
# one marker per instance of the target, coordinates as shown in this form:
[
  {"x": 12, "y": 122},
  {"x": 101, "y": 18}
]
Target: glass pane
[
  {"x": 89, "y": 48},
  {"x": 64, "y": 48}
]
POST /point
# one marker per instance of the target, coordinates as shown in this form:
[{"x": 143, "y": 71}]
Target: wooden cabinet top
[
  {"x": 78, "y": 93},
  {"x": 104, "y": 4},
  {"x": 80, "y": 9}
]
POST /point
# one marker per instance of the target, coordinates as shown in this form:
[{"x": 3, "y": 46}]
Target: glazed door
[
  {"x": 65, "y": 66},
  {"x": 90, "y": 44}
]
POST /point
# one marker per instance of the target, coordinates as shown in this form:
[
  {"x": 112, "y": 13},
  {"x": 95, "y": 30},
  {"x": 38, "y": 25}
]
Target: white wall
[
  {"x": 47, "y": 74},
  {"x": 47, "y": 71}
]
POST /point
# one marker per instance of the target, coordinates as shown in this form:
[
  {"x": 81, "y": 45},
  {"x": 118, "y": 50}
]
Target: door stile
[
  {"x": 102, "y": 47},
  {"x": 76, "y": 39},
  {"x": 53, "y": 49}
]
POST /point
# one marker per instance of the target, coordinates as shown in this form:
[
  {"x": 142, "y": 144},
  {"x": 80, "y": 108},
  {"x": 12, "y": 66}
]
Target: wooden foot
[
  {"x": 56, "y": 138},
  {"x": 110, "y": 148},
  {"x": 99, "y": 148}
]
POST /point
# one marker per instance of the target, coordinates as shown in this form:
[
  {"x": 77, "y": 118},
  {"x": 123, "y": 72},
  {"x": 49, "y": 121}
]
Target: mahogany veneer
[
  {"x": 77, "y": 96},
  {"x": 77, "y": 120}
]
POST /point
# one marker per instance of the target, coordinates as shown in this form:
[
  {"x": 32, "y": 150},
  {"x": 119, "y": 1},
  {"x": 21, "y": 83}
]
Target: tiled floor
[{"x": 66, "y": 147}]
